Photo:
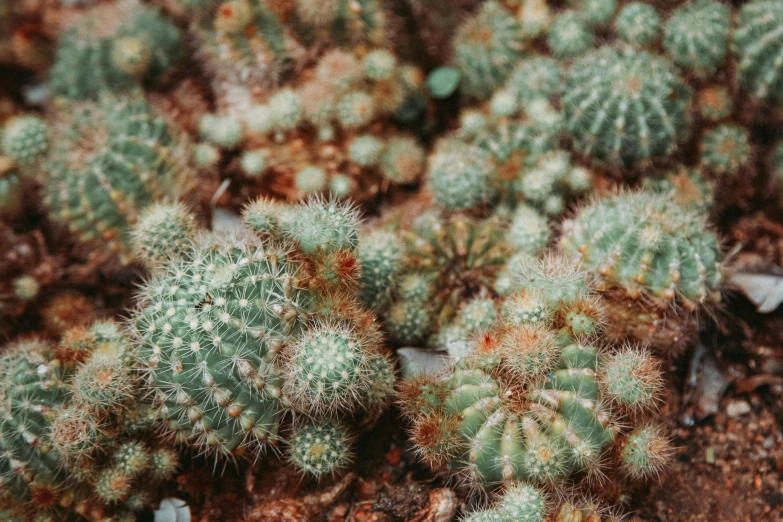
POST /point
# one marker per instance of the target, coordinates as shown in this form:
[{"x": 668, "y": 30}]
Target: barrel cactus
[
  {"x": 625, "y": 107},
  {"x": 758, "y": 48},
  {"x": 134, "y": 160}
]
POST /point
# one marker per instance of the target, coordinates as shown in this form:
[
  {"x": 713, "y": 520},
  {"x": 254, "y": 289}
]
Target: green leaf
[{"x": 443, "y": 81}]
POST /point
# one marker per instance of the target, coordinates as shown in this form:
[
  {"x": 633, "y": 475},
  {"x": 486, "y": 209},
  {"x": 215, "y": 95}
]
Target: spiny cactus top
[
  {"x": 115, "y": 48},
  {"x": 112, "y": 159},
  {"x": 535, "y": 401},
  {"x": 254, "y": 44},
  {"x": 647, "y": 245},
  {"x": 234, "y": 332},
  {"x": 696, "y": 36},
  {"x": 25, "y": 139},
  {"x": 486, "y": 48},
  {"x": 625, "y": 107},
  {"x": 76, "y": 433},
  {"x": 758, "y": 47}
]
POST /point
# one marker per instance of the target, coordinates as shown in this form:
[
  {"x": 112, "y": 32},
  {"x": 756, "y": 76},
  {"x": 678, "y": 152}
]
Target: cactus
[
  {"x": 638, "y": 24},
  {"x": 726, "y": 150},
  {"x": 696, "y": 36},
  {"x": 758, "y": 48},
  {"x": 86, "y": 447},
  {"x": 133, "y": 161},
  {"x": 320, "y": 449},
  {"x": 271, "y": 327},
  {"x": 570, "y": 36},
  {"x": 25, "y": 139},
  {"x": 625, "y": 108},
  {"x": 595, "y": 12},
  {"x": 114, "y": 49},
  {"x": 459, "y": 175},
  {"x": 685, "y": 187},
  {"x": 648, "y": 253},
  {"x": 536, "y": 77},
  {"x": 380, "y": 257},
  {"x": 162, "y": 232},
  {"x": 486, "y": 48},
  {"x": 568, "y": 396}
]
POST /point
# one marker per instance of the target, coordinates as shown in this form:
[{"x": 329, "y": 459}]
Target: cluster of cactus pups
[{"x": 552, "y": 284}]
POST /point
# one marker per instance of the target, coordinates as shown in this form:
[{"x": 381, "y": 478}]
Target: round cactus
[
  {"x": 533, "y": 78},
  {"x": 570, "y": 36},
  {"x": 325, "y": 225},
  {"x": 646, "y": 244},
  {"x": 365, "y": 150},
  {"x": 625, "y": 107},
  {"x": 320, "y": 449},
  {"x": 726, "y": 150},
  {"x": 205, "y": 156},
  {"x": 486, "y": 48},
  {"x": 402, "y": 161},
  {"x": 686, "y": 187},
  {"x": 520, "y": 502},
  {"x": 459, "y": 175},
  {"x": 162, "y": 232},
  {"x": 758, "y": 47},
  {"x": 638, "y": 24},
  {"x": 223, "y": 131},
  {"x": 355, "y": 110},
  {"x": 529, "y": 231},
  {"x": 379, "y": 64},
  {"x": 645, "y": 452},
  {"x": 696, "y": 36},
  {"x": 714, "y": 103},
  {"x": 227, "y": 347},
  {"x": 114, "y": 50},
  {"x": 648, "y": 253},
  {"x": 135, "y": 162},
  {"x": 25, "y": 139},
  {"x": 310, "y": 180},
  {"x": 263, "y": 216},
  {"x": 595, "y": 12},
  {"x": 252, "y": 163},
  {"x": 329, "y": 370}
]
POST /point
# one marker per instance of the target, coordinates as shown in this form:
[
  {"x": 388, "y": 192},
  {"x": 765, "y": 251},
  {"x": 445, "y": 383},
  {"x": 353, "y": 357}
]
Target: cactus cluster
[
  {"x": 111, "y": 159},
  {"x": 656, "y": 261},
  {"x": 76, "y": 431},
  {"x": 115, "y": 48},
  {"x": 234, "y": 332},
  {"x": 326, "y": 127},
  {"x": 535, "y": 401}
]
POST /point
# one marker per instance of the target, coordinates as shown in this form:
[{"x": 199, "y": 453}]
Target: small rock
[{"x": 737, "y": 407}]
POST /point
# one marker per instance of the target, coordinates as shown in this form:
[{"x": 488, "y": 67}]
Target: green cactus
[
  {"x": 75, "y": 426},
  {"x": 685, "y": 187},
  {"x": 486, "y": 49},
  {"x": 572, "y": 409},
  {"x": 133, "y": 162},
  {"x": 236, "y": 332},
  {"x": 320, "y": 449},
  {"x": 758, "y": 47},
  {"x": 535, "y": 77},
  {"x": 25, "y": 139},
  {"x": 625, "y": 107},
  {"x": 638, "y": 24},
  {"x": 460, "y": 174},
  {"x": 596, "y": 12},
  {"x": 726, "y": 150},
  {"x": 520, "y": 503},
  {"x": 162, "y": 232},
  {"x": 570, "y": 36},
  {"x": 648, "y": 254},
  {"x": 141, "y": 46},
  {"x": 696, "y": 36}
]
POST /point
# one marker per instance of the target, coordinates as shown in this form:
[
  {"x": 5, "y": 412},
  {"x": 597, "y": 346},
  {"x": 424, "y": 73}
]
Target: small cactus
[
  {"x": 162, "y": 232},
  {"x": 726, "y": 150},
  {"x": 459, "y": 175},
  {"x": 570, "y": 35},
  {"x": 320, "y": 449},
  {"x": 758, "y": 48},
  {"x": 696, "y": 36},
  {"x": 486, "y": 48},
  {"x": 638, "y": 24},
  {"x": 25, "y": 139},
  {"x": 606, "y": 90}
]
